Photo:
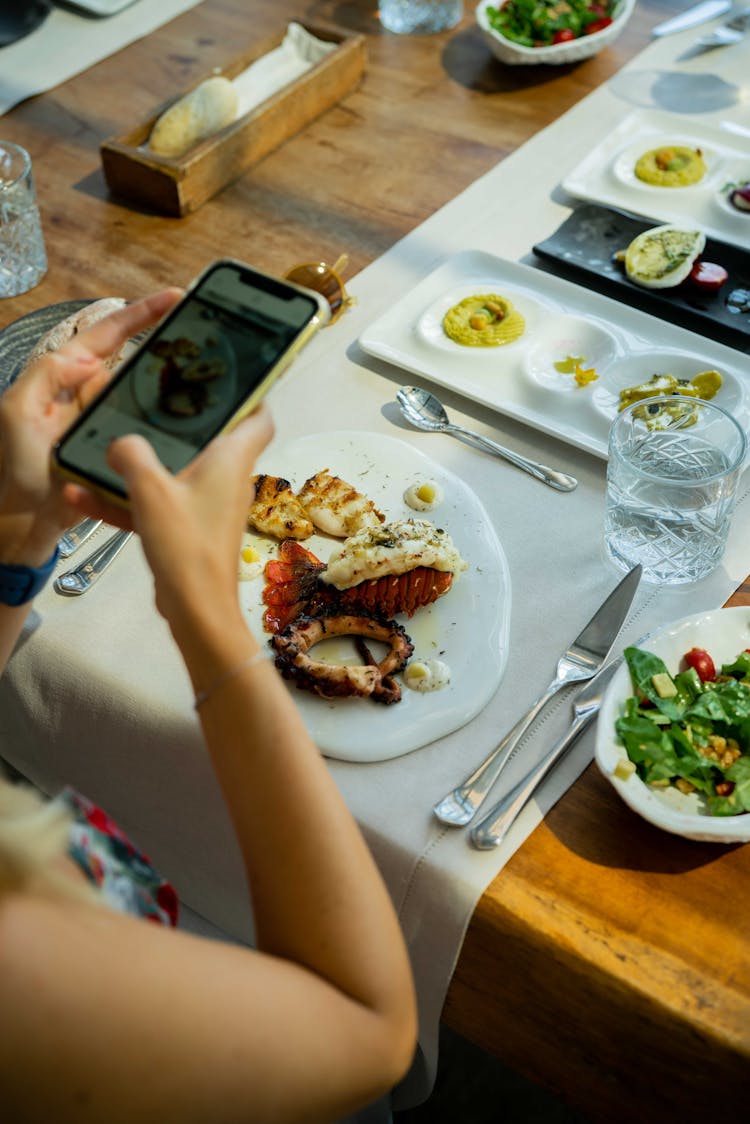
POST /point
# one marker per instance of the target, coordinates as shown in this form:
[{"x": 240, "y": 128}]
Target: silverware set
[
  {"x": 728, "y": 32},
  {"x": 87, "y": 573},
  {"x": 584, "y": 660}
]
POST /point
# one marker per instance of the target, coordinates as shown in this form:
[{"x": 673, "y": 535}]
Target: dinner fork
[
  {"x": 581, "y": 660},
  {"x": 460, "y": 805},
  {"x": 491, "y": 831}
]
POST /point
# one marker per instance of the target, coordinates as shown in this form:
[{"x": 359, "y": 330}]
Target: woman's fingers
[
  {"x": 109, "y": 334},
  {"x": 96, "y": 507}
]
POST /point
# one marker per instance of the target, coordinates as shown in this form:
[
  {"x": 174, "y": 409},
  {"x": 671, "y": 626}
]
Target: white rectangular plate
[
  {"x": 624, "y": 345},
  {"x": 606, "y": 175}
]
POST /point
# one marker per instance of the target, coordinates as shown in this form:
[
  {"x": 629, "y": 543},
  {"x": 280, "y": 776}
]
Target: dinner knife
[
  {"x": 707, "y": 10},
  {"x": 492, "y": 829},
  {"x": 582, "y": 659}
]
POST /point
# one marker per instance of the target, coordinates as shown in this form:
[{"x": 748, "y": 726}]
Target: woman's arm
[
  {"x": 164, "y": 1026},
  {"x": 34, "y": 413}
]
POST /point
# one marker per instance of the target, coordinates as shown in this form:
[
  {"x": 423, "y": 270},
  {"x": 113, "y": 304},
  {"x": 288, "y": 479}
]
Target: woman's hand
[
  {"x": 191, "y": 524},
  {"x": 34, "y": 413}
]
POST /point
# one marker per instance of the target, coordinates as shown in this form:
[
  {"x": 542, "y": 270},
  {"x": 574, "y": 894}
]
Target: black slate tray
[{"x": 581, "y": 250}]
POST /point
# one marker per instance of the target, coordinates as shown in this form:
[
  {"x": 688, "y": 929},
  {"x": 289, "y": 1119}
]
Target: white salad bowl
[
  {"x": 573, "y": 51},
  {"x": 724, "y": 633}
]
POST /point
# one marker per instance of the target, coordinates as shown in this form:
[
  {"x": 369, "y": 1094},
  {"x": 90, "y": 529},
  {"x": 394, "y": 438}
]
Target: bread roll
[
  {"x": 72, "y": 325},
  {"x": 205, "y": 110}
]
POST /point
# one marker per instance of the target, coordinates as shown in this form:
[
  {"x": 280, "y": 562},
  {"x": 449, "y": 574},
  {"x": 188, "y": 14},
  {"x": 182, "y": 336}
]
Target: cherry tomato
[
  {"x": 598, "y": 25},
  {"x": 699, "y": 659},
  {"x": 564, "y": 35},
  {"x": 708, "y": 276}
]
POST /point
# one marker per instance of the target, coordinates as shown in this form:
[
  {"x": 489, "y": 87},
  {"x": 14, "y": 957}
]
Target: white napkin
[
  {"x": 299, "y": 51},
  {"x": 66, "y": 44}
]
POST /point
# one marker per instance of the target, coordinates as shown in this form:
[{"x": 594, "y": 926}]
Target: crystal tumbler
[
  {"x": 674, "y": 465},
  {"x": 23, "y": 261},
  {"x": 419, "y": 17}
]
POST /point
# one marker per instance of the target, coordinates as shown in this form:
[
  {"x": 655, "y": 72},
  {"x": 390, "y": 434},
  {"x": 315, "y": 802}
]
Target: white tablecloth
[
  {"x": 97, "y": 697},
  {"x": 68, "y": 43}
]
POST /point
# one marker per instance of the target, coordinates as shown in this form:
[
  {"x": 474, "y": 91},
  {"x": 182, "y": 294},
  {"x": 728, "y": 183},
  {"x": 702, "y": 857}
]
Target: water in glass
[
  {"x": 23, "y": 261},
  {"x": 419, "y": 17},
  {"x": 670, "y": 496}
]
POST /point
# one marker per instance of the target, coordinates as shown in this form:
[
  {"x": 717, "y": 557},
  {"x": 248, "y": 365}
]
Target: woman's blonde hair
[{"x": 33, "y": 836}]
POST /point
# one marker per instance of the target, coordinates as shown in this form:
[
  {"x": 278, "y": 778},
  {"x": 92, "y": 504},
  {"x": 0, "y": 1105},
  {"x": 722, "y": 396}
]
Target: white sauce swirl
[
  {"x": 427, "y": 675},
  {"x": 424, "y": 495}
]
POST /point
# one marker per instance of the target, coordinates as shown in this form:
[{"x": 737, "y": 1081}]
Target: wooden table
[{"x": 608, "y": 961}]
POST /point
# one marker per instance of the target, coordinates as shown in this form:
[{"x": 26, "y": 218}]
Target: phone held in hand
[{"x": 205, "y": 367}]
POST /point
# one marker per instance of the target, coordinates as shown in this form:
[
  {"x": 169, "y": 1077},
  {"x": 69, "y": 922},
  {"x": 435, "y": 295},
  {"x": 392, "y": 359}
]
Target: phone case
[{"x": 246, "y": 406}]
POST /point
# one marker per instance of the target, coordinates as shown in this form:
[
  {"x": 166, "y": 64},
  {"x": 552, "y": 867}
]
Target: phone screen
[{"x": 205, "y": 360}]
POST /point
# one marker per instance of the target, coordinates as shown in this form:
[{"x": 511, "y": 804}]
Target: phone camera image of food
[{"x": 205, "y": 367}]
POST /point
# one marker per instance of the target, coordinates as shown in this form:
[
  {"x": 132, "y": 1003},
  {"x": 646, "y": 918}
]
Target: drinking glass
[
  {"x": 674, "y": 465},
  {"x": 419, "y": 17},
  {"x": 23, "y": 261}
]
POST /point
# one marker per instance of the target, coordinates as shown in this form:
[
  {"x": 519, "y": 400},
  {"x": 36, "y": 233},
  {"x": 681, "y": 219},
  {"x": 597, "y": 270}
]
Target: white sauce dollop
[
  {"x": 249, "y": 564},
  {"x": 424, "y": 495},
  {"x": 427, "y": 675}
]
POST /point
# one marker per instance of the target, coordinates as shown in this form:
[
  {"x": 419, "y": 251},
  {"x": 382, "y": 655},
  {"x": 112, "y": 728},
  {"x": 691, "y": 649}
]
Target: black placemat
[
  {"x": 17, "y": 340},
  {"x": 581, "y": 250}
]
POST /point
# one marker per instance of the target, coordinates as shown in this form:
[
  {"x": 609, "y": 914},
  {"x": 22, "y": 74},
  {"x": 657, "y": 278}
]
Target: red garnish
[
  {"x": 708, "y": 276},
  {"x": 598, "y": 25}
]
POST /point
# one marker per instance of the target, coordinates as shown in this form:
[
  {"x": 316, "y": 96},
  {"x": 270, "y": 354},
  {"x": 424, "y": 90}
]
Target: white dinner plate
[
  {"x": 724, "y": 633},
  {"x": 562, "y": 319},
  {"x": 467, "y": 628},
  {"x": 606, "y": 175}
]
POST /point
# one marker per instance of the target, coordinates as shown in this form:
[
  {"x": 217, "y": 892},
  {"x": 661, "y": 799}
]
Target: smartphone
[{"x": 205, "y": 366}]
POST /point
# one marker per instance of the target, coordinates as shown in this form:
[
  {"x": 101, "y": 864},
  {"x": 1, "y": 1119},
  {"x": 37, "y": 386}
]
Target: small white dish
[
  {"x": 640, "y": 367},
  {"x": 623, "y": 166},
  {"x": 723, "y": 633},
  {"x": 733, "y": 175},
  {"x": 561, "y": 337},
  {"x": 430, "y": 324},
  {"x": 595, "y": 179},
  {"x": 575, "y": 50}
]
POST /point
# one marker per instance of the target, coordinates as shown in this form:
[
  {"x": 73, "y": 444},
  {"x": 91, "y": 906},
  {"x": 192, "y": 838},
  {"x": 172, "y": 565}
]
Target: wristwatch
[{"x": 20, "y": 584}]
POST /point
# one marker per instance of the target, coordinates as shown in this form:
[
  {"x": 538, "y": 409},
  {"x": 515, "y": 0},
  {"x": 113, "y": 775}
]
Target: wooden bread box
[{"x": 178, "y": 185}]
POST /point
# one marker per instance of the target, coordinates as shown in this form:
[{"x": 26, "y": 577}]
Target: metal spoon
[{"x": 425, "y": 411}]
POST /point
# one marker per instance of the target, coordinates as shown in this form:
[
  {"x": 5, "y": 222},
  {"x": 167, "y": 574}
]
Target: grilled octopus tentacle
[{"x": 340, "y": 680}]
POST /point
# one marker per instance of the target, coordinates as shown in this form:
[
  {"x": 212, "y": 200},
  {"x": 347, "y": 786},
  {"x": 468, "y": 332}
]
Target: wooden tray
[{"x": 179, "y": 185}]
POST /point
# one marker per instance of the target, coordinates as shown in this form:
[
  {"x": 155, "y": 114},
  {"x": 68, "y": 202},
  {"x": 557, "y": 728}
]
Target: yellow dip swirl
[
  {"x": 671, "y": 166},
  {"x": 483, "y": 320}
]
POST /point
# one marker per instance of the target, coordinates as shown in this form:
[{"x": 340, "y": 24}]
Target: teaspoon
[{"x": 425, "y": 411}]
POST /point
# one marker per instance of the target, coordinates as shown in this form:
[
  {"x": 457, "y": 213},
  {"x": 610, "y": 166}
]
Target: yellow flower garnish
[{"x": 584, "y": 375}]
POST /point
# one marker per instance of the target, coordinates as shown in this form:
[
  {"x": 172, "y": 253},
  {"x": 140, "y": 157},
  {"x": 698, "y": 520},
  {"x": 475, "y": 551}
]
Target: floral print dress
[{"x": 122, "y": 873}]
